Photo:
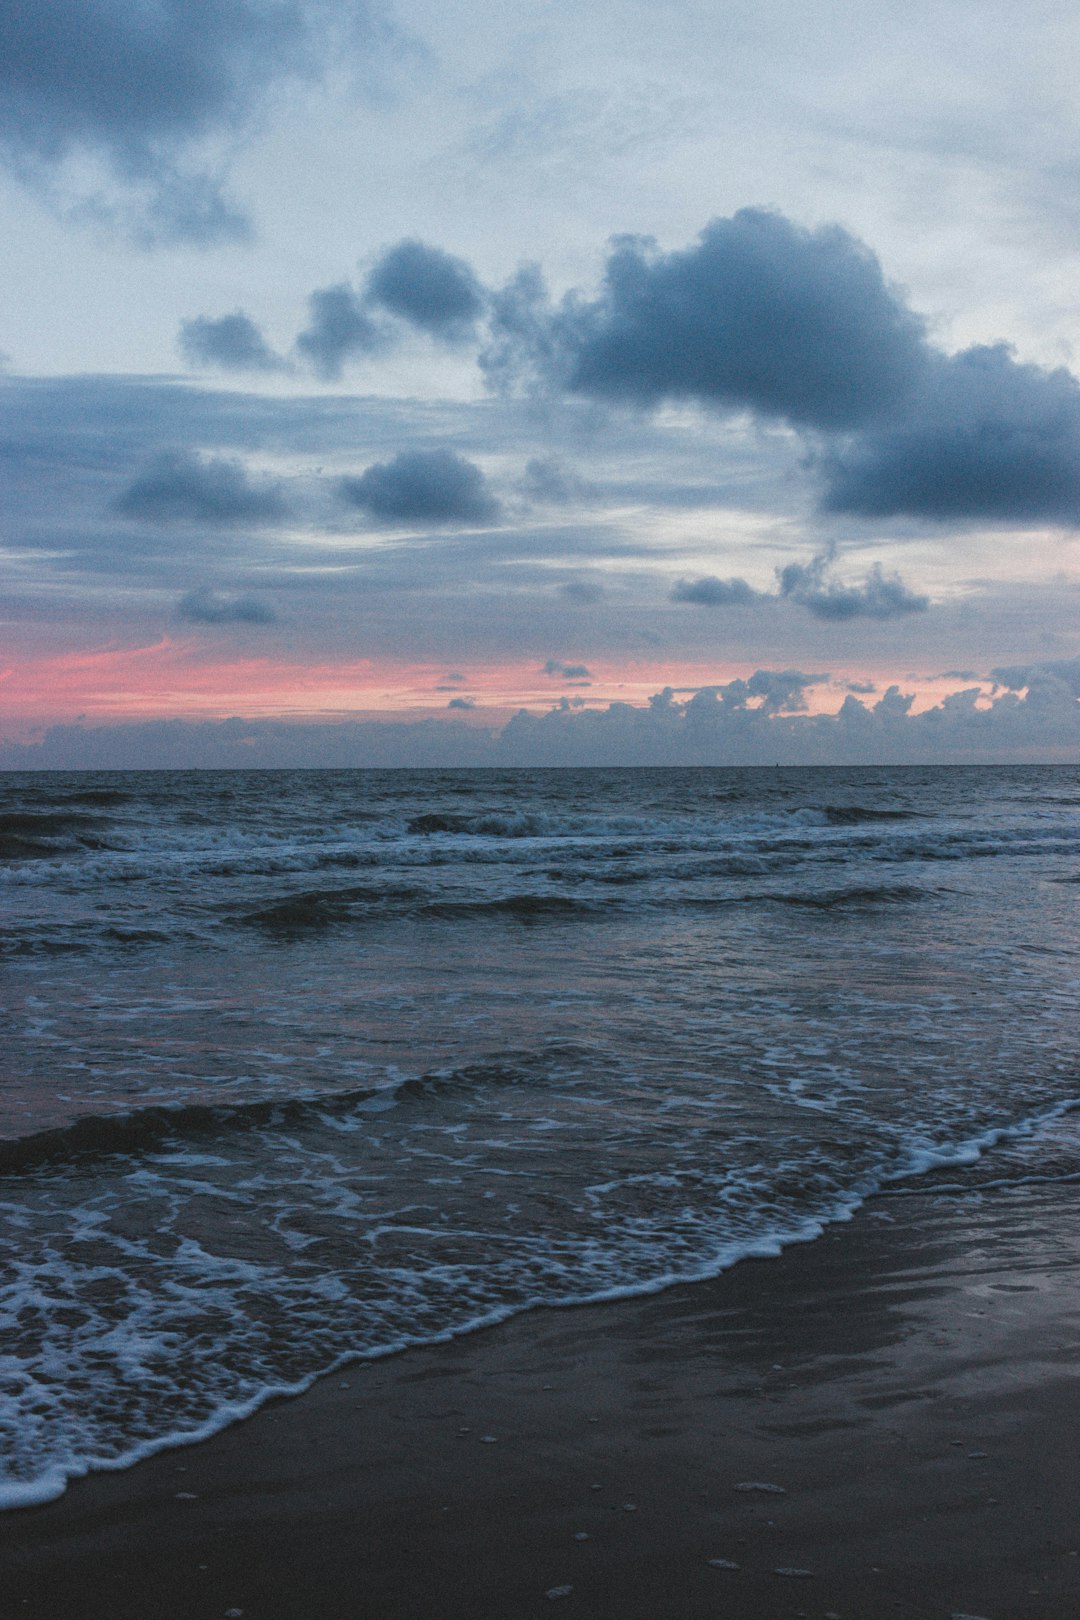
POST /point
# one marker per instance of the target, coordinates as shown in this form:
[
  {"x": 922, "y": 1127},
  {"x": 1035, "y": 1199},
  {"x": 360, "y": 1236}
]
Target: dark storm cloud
[
  {"x": 759, "y": 314},
  {"x": 204, "y": 606},
  {"x": 139, "y": 84},
  {"x": 881, "y": 596},
  {"x": 990, "y": 438},
  {"x": 428, "y": 288},
  {"x": 801, "y": 326},
  {"x": 422, "y": 486},
  {"x": 339, "y": 330},
  {"x": 712, "y": 592},
  {"x": 230, "y": 342},
  {"x": 181, "y": 487}
]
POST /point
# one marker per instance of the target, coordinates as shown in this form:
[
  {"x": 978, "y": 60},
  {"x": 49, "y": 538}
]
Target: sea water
[{"x": 303, "y": 1067}]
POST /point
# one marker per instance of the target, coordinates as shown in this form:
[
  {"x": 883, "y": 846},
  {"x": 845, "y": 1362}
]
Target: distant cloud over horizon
[{"x": 760, "y": 719}]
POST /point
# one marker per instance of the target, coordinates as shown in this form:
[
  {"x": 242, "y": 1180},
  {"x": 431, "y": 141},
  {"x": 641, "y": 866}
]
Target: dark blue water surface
[{"x": 302, "y": 1066}]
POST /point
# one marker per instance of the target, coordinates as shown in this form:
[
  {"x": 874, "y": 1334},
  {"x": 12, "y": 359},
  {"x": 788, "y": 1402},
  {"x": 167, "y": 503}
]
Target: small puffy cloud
[
  {"x": 182, "y": 487},
  {"x": 860, "y": 688},
  {"x": 462, "y": 703},
  {"x": 583, "y": 591},
  {"x": 988, "y": 438},
  {"x": 428, "y": 288},
  {"x": 880, "y": 596},
  {"x": 230, "y": 342},
  {"x": 567, "y": 672},
  {"x": 137, "y": 86},
  {"x": 339, "y": 329},
  {"x": 712, "y": 592},
  {"x": 204, "y": 606},
  {"x": 432, "y": 487}
]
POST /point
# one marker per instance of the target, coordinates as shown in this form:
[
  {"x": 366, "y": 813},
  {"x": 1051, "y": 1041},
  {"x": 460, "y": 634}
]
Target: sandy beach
[{"x": 882, "y": 1422}]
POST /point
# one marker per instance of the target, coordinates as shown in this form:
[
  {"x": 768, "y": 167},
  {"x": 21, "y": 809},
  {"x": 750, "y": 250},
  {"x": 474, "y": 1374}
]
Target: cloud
[
  {"x": 712, "y": 592},
  {"x": 423, "y": 486},
  {"x": 230, "y": 342},
  {"x": 800, "y": 326},
  {"x": 138, "y": 86},
  {"x": 567, "y": 672},
  {"x": 881, "y": 596},
  {"x": 988, "y": 438},
  {"x": 1063, "y": 671},
  {"x": 548, "y": 480},
  {"x": 339, "y": 330},
  {"x": 584, "y": 591},
  {"x": 714, "y": 726},
  {"x": 759, "y": 314},
  {"x": 181, "y": 487},
  {"x": 462, "y": 703},
  {"x": 781, "y": 689},
  {"x": 428, "y": 288},
  {"x": 204, "y": 606}
]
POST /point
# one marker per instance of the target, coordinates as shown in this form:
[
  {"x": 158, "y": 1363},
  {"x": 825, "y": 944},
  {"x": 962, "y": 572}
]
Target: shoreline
[{"x": 908, "y": 1379}]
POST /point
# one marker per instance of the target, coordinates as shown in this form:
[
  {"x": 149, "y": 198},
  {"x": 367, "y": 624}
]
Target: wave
[
  {"x": 27, "y": 835},
  {"x": 164, "y": 1127},
  {"x": 831, "y": 899}
]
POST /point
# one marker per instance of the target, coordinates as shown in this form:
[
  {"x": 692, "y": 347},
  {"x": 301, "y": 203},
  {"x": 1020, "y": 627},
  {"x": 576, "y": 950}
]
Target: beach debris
[
  {"x": 761, "y": 1485},
  {"x": 581, "y": 1535},
  {"x": 233, "y": 1614},
  {"x": 967, "y": 1617},
  {"x": 793, "y": 1574},
  {"x": 554, "y": 1592},
  {"x": 186, "y": 1496},
  {"x": 596, "y": 1487},
  {"x": 975, "y": 1454},
  {"x": 629, "y": 1507},
  {"x": 488, "y": 1439},
  {"x": 722, "y": 1563}
]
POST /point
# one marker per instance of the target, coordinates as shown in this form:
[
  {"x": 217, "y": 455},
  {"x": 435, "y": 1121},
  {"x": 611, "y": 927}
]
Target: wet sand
[{"x": 910, "y": 1382}]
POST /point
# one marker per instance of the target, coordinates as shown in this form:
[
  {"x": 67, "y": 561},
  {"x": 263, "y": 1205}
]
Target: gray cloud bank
[{"x": 757, "y": 721}]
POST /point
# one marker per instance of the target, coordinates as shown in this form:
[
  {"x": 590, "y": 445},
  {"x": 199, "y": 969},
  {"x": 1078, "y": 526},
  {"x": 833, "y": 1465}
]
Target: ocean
[{"x": 301, "y": 1068}]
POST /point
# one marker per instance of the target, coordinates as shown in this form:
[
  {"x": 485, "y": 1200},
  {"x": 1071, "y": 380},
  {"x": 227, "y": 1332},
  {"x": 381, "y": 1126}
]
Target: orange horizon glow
[{"x": 176, "y": 679}]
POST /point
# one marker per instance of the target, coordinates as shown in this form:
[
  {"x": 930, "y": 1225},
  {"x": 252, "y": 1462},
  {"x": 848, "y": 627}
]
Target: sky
[{"x": 561, "y": 383}]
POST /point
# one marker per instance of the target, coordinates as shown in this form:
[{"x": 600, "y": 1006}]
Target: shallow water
[{"x": 302, "y": 1066}]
